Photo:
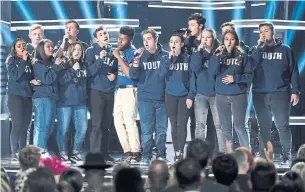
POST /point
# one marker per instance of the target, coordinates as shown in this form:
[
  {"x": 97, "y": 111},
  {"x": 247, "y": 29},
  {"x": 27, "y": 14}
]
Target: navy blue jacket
[
  {"x": 275, "y": 70},
  {"x": 205, "y": 83},
  {"x": 98, "y": 69},
  {"x": 47, "y": 74},
  {"x": 241, "y": 67},
  {"x": 151, "y": 74},
  {"x": 20, "y": 73},
  {"x": 72, "y": 85},
  {"x": 179, "y": 79}
]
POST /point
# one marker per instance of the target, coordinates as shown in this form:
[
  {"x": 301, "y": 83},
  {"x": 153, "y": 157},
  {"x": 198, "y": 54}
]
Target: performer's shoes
[
  {"x": 285, "y": 162},
  {"x": 45, "y": 154},
  {"x": 127, "y": 157},
  {"x": 136, "y": 158},
  {"x": 14, "y": 158},
  {"x": 64, "y": 156},
  {"x": 178, "y": 156},
  {"x": 76, "y": 158}
]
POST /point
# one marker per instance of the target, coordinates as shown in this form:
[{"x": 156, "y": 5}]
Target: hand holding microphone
[
  {"x": 76, "y": 66},
  {"x": 138, "y": 53},
  {"x": 103, "y": 54},
  {"x": 261, "y": 42},
  {"x": 25, "y": 54},
  {"x": 202, "y": 46},
  {"x": 219, "y": 50}
]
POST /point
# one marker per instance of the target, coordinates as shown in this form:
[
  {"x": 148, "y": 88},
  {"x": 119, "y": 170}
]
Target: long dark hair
[
  {"x": 40, "y": 54},
  {"x": 13, "y": 53},
  {"x": 237, "y": 51},
  {"x": 182, "y": 39}
]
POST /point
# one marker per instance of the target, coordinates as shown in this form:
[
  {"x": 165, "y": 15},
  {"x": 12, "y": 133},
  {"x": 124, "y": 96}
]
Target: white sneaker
[{"x": 45, "y": 154}]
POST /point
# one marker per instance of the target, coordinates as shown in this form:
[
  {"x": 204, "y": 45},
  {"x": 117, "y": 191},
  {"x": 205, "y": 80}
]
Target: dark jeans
[
  {"x": 101, "y": 109},
  {"x": 153, "y": 116},
  {"x": 20, "y": 109},
  {"x": 64, "y": 115},
  {"x": 178, "y": 114},
  {"x": 236, "y": 106},
  {"x": 203, "y": 105},
  {"x": 276, "y": 105}
]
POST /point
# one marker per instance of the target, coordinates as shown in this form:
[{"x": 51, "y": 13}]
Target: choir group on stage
[{"x": 198, "y": 72}]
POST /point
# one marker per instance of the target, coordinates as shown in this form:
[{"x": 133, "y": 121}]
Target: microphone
[
  {"x": 136, "y": 53},
  {"x": 219, "y": 50},
  {"x": 182, "y": 30}
]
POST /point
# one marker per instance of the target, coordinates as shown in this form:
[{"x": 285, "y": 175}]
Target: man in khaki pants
[{"x": 125, "y": 105}]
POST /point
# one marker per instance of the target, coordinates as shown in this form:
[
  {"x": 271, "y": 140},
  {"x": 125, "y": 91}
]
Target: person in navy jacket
[
  {"x": 19, "y": 92},
  {"x": 179, "y": 93},
  {"x": 72, "y": 102},
  {"x": 205, "y": 99},
  {"x": 45, "y": 93},
  {"x": 150, "y": 68},
  {"x": 233, "y": 71},
  {"x": 102, "y": 69},
  {"x": 275, "y": 87}
]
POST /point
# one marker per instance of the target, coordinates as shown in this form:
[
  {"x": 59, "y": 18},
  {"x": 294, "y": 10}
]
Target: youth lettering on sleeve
[
  {"x": 272, "y": 56},
  {"x": 179, "y": 67}
]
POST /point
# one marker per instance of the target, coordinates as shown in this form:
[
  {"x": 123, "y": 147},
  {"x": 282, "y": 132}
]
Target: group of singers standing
[{"x": 198, "y": 73}]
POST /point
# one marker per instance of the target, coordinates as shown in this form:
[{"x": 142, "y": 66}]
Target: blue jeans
[
  {"x": 44, "y": 109},
  {"x": 233, "y": 107},
  {"x": 277, "y": 105},
  {"x": 153, "y": 116},
  {"x": 64, "y": 116}
]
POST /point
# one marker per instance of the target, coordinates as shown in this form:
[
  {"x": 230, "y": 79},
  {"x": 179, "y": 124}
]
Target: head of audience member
[
  {"x": 118, "y": 168},
  {"x": 225, "y": 169},
  {"x": 72, "y": 29},
  {"x": 41, "y": 180},
  {"x": 267, "y": 32},
  {"x": 227, "y": 26},
  {"x": 29, "y": 157},
  {"x": 101, "y": 36},
  {"x": 129, "y": 179},
  {"x": 74, "y": 178},
  {"x": 295, "y": 179},
  {"x": 284, "y": 187},
  {"x": 297, "y": 160},
  {"x": 36, "y": 33},
  {"x": 196, "y": 23},
  {"x": 188, "y": 174},
  {"x": 44, "y": 51},
  {"x": 263, "y": 176},
  {"x": 125, "y": 38},
  {"x": 301, "y": 152},
  {"x": 231, "y": 42},
  {"x": 150, "y": 40},
  {"x": 64, "y": 186},
  {"x": 94, "y": 166},
  {"x": 106, "y": 188},
  {"x": 17, "y": 48},
  {"x": 199, "y": 150},
  {"x": 249, "y": 156},
  {"x": 176, "y": 43},
  {"x": 300, "y": 169},
  {"x": 76, "y": 51},
  {"x": 209, "y": 40},
  {"x": 242, "y": 162},
  {"x": 158, "y": 175}
]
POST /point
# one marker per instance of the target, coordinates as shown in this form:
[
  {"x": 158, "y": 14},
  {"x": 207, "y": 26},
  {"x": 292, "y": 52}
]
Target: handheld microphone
[
  {"x": 183, "y": 30},
  {"x": 136, "y": 53},
  {"x": 219, "y": 50}
]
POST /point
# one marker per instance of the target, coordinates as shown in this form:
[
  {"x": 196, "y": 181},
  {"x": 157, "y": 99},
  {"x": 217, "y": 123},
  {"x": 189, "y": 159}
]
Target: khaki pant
[{"x": 125, "y": 116}]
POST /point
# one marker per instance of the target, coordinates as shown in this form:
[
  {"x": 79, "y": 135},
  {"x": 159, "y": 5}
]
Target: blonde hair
[
  {"x": 300, "y": 169},
  {"x": 36, "y": 26},
  {"x": 215, "y": 40}
]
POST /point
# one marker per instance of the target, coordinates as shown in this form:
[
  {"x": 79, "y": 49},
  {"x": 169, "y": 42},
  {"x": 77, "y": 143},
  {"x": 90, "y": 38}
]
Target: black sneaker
[
  {"x": 76, "y": 158},
  {"x": 136, "y": 158},
  {"x": 64, "y": 156},
  {"x": 14, "y": 158}
]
